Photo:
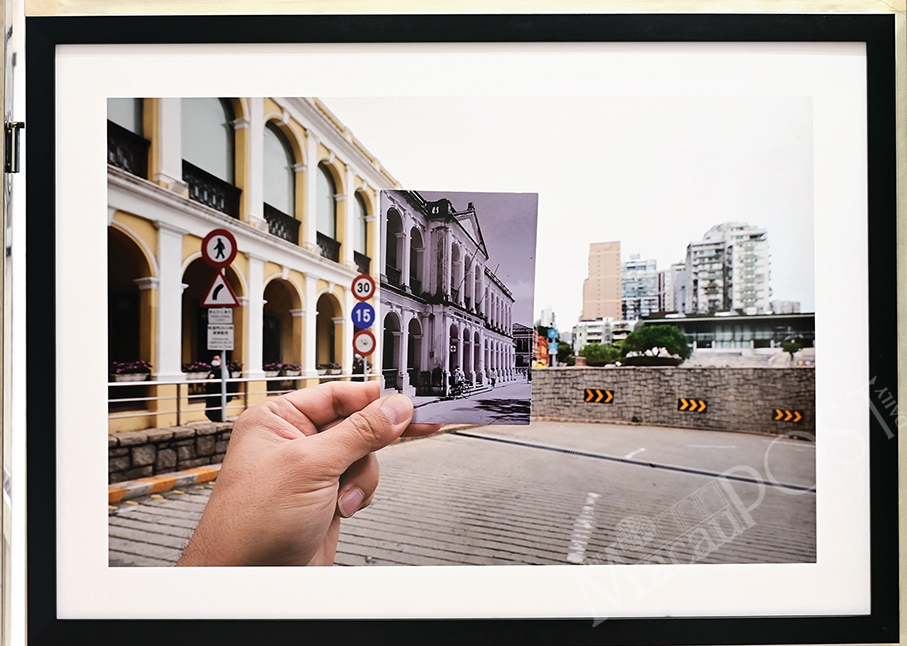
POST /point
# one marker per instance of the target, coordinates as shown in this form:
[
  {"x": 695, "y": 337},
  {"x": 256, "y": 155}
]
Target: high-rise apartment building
[
  {"x": 729, "y": 269},
  {"x": 602, "y": 290},
  {"x": 640, "y": 288}
]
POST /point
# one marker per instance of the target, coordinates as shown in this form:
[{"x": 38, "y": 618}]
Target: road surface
[{"x": 550, "y": 493}]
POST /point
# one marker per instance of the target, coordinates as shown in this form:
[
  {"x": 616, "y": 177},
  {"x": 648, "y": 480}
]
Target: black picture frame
[{"x": 44, "y": 34}]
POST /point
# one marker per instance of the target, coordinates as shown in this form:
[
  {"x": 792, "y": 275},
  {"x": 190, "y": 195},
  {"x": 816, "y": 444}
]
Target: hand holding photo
[{"x": 457, "y": 301}]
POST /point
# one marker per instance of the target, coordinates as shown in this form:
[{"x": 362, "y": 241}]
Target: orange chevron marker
[
  {"x": 797, "y": 416},
  {"x": 588, "y": 395},
  {"x": 683, "y": 404},
  {"x": 701, "y": 405},
  {"x": 600, "y": 397},
  {"x": 787, "y": 416},
  {"x": 610, "y": 396},
  {"x": 778, "y": 414}
]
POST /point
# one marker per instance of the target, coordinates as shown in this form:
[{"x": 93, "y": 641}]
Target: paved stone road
[
  {"x": 507, "y": 403},
  {"x": 550, "y": 493}
]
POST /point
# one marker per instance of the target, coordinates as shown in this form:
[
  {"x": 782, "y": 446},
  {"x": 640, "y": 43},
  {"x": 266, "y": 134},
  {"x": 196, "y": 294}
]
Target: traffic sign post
[
  {"x": 363, "y": 316},
  {"x": 364, "y": 343},
  {"x": 219, "y": 250},
  {"x": 363, "y": 287}
]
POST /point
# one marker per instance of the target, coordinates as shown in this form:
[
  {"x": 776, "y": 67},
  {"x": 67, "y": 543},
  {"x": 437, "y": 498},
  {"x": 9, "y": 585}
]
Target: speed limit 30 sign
[{"x": 363, "y": 287}]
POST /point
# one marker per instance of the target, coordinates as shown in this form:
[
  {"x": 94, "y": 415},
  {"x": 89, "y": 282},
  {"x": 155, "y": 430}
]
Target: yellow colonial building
[{"x": 297, "y": 191}]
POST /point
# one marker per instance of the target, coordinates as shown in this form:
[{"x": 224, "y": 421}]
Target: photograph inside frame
[{"x": 675, "y": 345}]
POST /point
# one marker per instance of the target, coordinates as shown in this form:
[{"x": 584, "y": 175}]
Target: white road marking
[
  {"x": 582, "y": 530},
  {"x": 632, "y": 453},
  {"x": 711, "y": 446}
]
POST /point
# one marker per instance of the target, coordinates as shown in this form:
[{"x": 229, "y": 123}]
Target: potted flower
[
  {"x": 129, "y": 370},
  {"x": 334, "y": 369},
  {"x": 196, "y": 370},
  {"x": 272, "y": 369},
  {"x": 323, "y": 368},
  {"x": 291, "y": 370},
  {"x": 235, "y": 368}
]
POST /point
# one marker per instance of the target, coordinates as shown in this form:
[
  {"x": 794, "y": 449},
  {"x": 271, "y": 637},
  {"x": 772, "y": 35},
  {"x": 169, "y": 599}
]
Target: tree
[
  {"x": 792, "y": 348},
  {"x": 599, "y": 355},
  {"x": 651, "y": 339}
]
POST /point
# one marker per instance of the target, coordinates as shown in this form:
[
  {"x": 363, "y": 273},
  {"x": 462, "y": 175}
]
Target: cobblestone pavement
[{"x": 549, "y": 493}]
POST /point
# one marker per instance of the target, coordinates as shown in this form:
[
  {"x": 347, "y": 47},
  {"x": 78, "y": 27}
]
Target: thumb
[{"x": 363, "y": 432}]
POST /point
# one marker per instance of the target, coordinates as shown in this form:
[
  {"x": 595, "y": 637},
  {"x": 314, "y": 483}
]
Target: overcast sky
[
  {"x": 651, "y": 172},
  {"x": 508, "y": 223}
]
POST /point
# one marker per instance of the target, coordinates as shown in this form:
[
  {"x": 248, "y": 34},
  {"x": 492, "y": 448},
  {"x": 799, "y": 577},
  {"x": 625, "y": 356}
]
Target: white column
[
  {"x": 349, "y": 190},
  {"x": 405, "y": 267},
  {"x": 340, "y": 331},
  {"x": 346, "y": 363},
  {"x": 448, "y": 263},
  {"x": 170, "y": 303},
  {"x": 309, "y": 351},
  {"x": 254, "y": 334},
  {"x": 403, "y": 363},
  {"x": 309, "y": 238},
  {"x": 480, "y": 369},
  {"x": 170, "y": 143},
  {"x": 255, "y": 191}
]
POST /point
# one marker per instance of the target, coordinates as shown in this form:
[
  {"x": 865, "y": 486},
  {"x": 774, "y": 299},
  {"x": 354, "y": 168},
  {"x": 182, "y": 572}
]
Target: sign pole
[{"x": 223, "y": 387}]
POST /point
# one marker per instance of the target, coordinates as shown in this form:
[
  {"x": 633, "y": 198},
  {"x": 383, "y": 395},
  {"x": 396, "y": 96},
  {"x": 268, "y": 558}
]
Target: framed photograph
[{"x": 325, "y": 126}]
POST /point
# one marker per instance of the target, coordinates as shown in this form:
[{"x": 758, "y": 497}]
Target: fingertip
[{"x": 397, "y": 408}]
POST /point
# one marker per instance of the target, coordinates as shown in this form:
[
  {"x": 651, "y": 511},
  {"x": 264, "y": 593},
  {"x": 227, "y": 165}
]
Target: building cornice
[
  {"x": 337, "y": 141},
  {"x": 171, "y": 211}
]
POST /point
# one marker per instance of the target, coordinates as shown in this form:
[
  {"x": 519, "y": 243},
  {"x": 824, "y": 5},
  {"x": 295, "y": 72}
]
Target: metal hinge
[{"x": 11, "y": 146}]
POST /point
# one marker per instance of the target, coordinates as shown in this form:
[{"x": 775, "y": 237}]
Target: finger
[
  {"x": 309, "y": 409},
  {"x": 357, "y": 486},
  {"x": 421, "y": 430},
  {"x": 367, "y": 430}
]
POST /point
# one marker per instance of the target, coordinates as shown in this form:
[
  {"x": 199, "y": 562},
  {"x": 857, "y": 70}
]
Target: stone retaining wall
[
  {"x": 139, "y": 454},
  {"x": 739, "y": 399}
]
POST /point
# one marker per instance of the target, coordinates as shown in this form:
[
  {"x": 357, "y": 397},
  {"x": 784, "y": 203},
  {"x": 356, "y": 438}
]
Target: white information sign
[
  {"x": 220, "y": 316},
  {"x": 220, "y": 337}
]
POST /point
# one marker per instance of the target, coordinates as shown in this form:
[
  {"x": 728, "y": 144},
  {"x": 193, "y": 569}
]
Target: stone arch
[
  {"x": 414, "y": 348},
  {"x": 393, "y": 247},
  {"x": 281, "y": 325},
  {"x": 390, "y": 349},
  {"x": 139, "y": 242},
  {"x": 329, "y": 330},
  {"x": 197, "y": 276},
  {"x": 130, "y": 300}
]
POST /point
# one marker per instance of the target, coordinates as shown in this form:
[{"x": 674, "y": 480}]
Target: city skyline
[{"x": 614, "y": 168}]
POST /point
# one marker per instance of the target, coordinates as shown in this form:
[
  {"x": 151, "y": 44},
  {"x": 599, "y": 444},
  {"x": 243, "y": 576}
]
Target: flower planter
[
  {"x": 236, "y": 374},
  {"x": 135, "y": 376},
  {"x": 292, "y": 373},
  {"x": 322, "y": 371},
  {"x": 195, "y": 376},
  {"x": 271, "y": 373},
  {"x": 334, "y": 371}
]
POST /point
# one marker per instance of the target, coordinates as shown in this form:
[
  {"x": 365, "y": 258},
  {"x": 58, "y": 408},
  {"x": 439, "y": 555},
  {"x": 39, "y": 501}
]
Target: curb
[
  {"x": 154, "y": 484},
  {"x": 573, "y": 420},
  {"x": 444, "y": 429}
]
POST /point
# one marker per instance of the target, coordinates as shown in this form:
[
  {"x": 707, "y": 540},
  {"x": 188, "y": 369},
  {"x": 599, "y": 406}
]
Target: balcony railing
[
  {"x": 390, "y": 377},
  {"x": 415, "y": 285},
  {"x": 330, "y": 248},
  {"x": 127, "y": 150},
  {"x": 363, "y": 262},
  {"x": 393, "y": 275},
  {"x": 282, "y": 225},
  {"x": 210, "y": 190}
]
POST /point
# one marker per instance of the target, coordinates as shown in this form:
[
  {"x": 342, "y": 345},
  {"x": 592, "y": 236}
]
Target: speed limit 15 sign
[{"x": 363, "y": 287}]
